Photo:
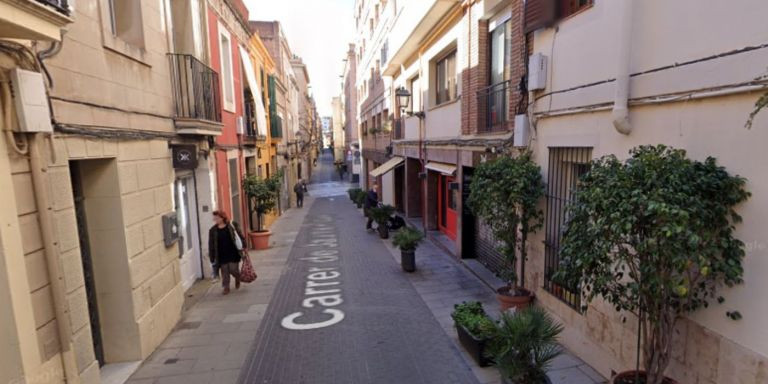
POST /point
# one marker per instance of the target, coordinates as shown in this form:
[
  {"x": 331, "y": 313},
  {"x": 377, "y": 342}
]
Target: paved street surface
[{"x": 331, "y": 305}]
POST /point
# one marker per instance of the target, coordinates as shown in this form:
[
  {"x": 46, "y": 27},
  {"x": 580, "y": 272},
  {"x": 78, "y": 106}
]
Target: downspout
[
  {"x": 621, "y": 100},
  {"x": 55, "y": 275}
]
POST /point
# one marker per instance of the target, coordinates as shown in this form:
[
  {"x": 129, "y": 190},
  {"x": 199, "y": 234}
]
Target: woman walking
[{"x": 225, "y": 242}]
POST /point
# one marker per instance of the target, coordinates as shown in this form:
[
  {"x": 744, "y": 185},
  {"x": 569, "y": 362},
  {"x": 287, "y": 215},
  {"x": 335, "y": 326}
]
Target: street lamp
[{"x": 403, "y": 97}]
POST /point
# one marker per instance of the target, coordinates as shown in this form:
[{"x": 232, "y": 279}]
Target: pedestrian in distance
[
  {"x": 300, "y": 188},
  {"x": 225, "y": 245},
  {"x": 371, "y": 201}
]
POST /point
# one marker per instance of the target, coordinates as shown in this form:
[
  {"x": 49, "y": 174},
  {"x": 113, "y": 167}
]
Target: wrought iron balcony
[
  {"x": 493, "y": 107},
  {"x": 61, "y": 6},
  {"x": 196, "y": 91}
]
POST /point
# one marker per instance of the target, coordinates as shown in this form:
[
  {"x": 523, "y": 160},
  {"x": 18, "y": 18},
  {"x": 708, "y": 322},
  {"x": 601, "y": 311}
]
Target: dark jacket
[
  {"x": 300, "y": 188},
  {"x": 213, "y": 241},
  {"x": 371, "y": 199}
]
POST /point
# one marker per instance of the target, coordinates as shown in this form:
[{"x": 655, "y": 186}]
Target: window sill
[
  {"x": 116, "y": 45},
  {"x": 443, "y": 104}
]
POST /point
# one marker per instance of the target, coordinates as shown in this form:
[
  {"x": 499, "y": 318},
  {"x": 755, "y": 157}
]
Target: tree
[
  {"x": 654, "y": 235},
  {"x": 262, "y": 195},
  {"x": 505, "y": 193}
]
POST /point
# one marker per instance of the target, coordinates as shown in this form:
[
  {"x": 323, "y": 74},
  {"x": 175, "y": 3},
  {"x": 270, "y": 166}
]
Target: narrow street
[{"x": 387, "y": 334}]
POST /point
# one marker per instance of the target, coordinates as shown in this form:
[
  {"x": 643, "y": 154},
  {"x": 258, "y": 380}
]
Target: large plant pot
[
  {"x": 628, "y": 377},
  {"x": 509, "y": 300},
  {"x": 359, "y": 205},
  {"x": 383, "y": 231},
  {"x": 408, "y": 260},
  {"x": 474, "y": 346},
  {"x": 260, "y": 240}
]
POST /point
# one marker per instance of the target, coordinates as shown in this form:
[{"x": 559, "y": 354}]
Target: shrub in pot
[
  {"x": 504, "y": 193},
  {"x": 407, "y": 239},
  {"x": 654, "y": 235},
  {"x": 523, "y": 345},
  {"x": 359, "y": 198},
  {"x": 353, "y": 192},
  {"x": 262, "y": 198},
  {"x": 475, "y": 330},
  {"x": 381, "y": 215}
]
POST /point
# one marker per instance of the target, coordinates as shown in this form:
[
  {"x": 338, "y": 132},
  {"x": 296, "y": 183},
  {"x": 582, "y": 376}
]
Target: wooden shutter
[{"x": 539, "y": 14}]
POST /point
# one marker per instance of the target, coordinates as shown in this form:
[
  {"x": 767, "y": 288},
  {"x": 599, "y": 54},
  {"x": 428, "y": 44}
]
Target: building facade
[{"x": 352, "y": 142}]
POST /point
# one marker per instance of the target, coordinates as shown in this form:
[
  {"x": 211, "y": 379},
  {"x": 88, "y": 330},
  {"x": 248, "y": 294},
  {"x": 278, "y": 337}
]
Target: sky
[{"x": 320, "y": 32}]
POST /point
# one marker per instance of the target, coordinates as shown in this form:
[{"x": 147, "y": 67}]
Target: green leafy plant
[
  {"x": 360, "y": 198},
  {"x": 473, "y": 318},
  {"x": 524, "y": 344},
  {"x": 262, "y": 195},
  {"x": 760, "y": 104},
  {"x": 407, "y": 239},
  {"x": 505, "y": 193},
  {"x": 353, "y": 192},
  {"x": 382, "y": 213},
  {"x": 654, "y": 234}
]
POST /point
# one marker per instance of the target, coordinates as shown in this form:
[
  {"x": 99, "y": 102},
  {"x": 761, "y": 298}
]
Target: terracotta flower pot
[
  {"x": 628, "y": 377},
  {"x": 508, "y": 299},
  {"x": 260, "y": 240}
]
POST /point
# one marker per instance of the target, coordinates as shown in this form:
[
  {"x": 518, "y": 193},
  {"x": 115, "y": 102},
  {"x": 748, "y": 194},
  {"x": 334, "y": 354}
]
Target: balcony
[
  {"x": 493, "y": 108},
  {"x": 33, "y": 20},
  {"x": 196, "y": 96}
]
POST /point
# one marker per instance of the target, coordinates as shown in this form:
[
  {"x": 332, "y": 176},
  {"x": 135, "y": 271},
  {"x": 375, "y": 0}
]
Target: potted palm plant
[
  {"x": 407, "y": 239},
  {"x": 505, "y": 193},
  {"x": 262, "y": 197},
  {"x": 475, "y": 330},
  {"x": 653, "y": 235},
  {"x": 353, "y": 192},
  {"x": 381, "y": 215},
  {"x": 524, "y": 344},
  {"x": 359, "y": 198}
]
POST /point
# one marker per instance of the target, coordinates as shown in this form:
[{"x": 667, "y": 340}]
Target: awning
[
  {"x": 388, "y": 166},
  {"x": 445, "y": 169},
  {"x": 250, "y": 75}
]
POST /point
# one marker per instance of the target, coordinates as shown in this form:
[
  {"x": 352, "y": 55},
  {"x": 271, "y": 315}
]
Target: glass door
[{"x": 189, "y": 245}]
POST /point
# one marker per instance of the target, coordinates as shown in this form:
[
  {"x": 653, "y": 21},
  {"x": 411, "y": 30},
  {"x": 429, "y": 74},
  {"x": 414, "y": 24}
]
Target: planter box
[{"x": 475, "y": 347}]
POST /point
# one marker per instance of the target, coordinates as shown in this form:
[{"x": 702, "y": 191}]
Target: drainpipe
[
  {"x": 621, "y": 100},
  {"x": 55, "y": 275}
]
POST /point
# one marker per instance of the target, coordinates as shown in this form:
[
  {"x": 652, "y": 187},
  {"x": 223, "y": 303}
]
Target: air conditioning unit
[
  {"x": 537, "y": 72},
  {"x": 522, "y": 132},
  {"x": 31, "y": 101},
  {"x": 240, "y": 126}
]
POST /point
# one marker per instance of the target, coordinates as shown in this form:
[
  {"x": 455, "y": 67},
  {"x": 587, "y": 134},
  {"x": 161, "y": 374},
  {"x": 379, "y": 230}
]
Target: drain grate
[{"x": 171, "y": 361}]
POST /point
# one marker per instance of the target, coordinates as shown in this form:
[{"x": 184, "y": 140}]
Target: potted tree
[
  {"x": 262, "y": 197},
  {"x": 381, "y": 215},
  {"x": 654, "y": 235},
  {"x": 407, "y": 239},
  {"x": 505, "y": 193},
  {"x": 475, "y": 330},
  {"x": 359, "y": 198},
  {"x": 353, "y": 192},
  {"x": 523, "y": 345}
]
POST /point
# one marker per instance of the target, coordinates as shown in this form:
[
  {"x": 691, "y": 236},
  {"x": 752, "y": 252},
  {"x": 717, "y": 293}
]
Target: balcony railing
[
  {"x": 62, "y": 6},
  {"x": 196, "y": 90},
  {"x": 493, "y": 107}
]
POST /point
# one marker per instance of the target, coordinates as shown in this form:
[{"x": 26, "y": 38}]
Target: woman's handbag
[{"x": 247, "y": 274}]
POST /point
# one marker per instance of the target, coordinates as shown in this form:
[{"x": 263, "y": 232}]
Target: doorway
[
  {"x": 447, "y": 205},
  {"x": 87, "y": 260},
  {"x": 190, "y": 263}
]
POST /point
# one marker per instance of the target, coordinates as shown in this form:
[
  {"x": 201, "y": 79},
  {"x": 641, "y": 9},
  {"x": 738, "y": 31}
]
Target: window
[
  {"x": 125, "y": 21},
  {"x": 566, "y": 165},
  {"x": 446, "y": 86},
  {"x": 499, "y": 53},
  {"x": 227, "y": 75},
  {"x": 569, "y": 7},
  {"x": 384, "y": 52},
  {"x": 415, "y": 90}
]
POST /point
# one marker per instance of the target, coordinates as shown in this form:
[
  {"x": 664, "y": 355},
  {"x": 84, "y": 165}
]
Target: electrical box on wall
[
  {"x": 31, "y": 101},
  {"x": 240, "y": 126},
  {"x": 537, "y": 72},
  {"x": 522, "y": 132},
  {"x": 170, "y": 229}
]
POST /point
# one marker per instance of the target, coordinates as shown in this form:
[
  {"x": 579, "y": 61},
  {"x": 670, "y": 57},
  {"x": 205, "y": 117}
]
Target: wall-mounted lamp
[{"x": 403, "y": 97}]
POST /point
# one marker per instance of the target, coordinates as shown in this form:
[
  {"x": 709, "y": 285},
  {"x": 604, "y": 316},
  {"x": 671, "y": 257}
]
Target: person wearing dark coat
[
  {"x": 225, "y": 244},
  {"x": 299, "y": 189},
  {"x": 371, "y": 201}
]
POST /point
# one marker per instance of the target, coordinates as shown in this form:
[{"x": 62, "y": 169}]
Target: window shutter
[{"x": 539, "y": 14}]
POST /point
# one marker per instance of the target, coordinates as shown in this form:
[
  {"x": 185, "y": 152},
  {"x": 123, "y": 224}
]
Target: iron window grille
[
  {"x": 196, "y": 92},
  {"x": 566, "y": 166}
]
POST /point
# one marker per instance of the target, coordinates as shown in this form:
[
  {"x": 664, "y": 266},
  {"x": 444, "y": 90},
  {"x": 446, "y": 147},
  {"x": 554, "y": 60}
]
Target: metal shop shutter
[{"x": 487, "y": 248}]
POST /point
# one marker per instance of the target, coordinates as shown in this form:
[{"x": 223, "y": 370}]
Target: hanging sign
[{"x": 184, "y": 157}]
